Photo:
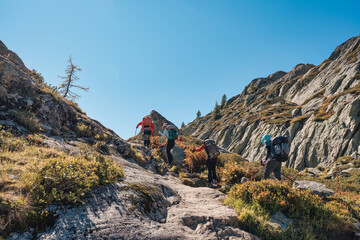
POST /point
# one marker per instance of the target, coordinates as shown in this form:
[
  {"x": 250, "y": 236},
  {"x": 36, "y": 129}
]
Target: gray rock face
[
  {"x": 315, "y": 187},
  {"x": 316, "y": 107}
]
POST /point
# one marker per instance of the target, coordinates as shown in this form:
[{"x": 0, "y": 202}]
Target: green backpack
[{"x": 173, "y": 134}]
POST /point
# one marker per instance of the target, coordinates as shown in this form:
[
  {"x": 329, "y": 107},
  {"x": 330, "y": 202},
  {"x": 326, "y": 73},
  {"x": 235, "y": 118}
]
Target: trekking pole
[
  {"x": 287, "y": 177},
  {"x": 192, "y": 160},
  {"x": 159, "y": 145},
  {"x": 292, "y": 180}
]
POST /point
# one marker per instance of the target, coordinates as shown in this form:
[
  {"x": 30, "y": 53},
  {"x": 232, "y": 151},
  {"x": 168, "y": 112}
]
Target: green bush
[
  {"x": 314, "y": 217},
  {"x": 67, "y": 179},
  {"x": 27, "y": 119},
  {"x": 10, "y": 143}
]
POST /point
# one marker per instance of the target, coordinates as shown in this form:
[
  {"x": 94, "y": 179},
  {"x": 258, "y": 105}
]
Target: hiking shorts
[{"x": 147, "y": 132}]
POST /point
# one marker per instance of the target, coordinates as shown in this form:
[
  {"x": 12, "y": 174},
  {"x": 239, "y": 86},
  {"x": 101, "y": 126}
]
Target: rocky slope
[
  {"x": 28, "y": 105},
  {"x": 145, "y": 205},
  {"x": 317, "y": 107}
]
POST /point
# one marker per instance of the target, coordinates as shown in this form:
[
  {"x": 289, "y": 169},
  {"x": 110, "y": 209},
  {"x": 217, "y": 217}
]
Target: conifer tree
[
  {"x": 69, "y": 79},
  {"x": 182, "y": 125},
  {"x": 198, "y": 114},
  {"x": 216, "y": 112},
  {"x": 223, "y": 101}
]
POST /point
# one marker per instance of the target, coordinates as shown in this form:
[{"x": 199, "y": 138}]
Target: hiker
[
  {"x": 171, "y": 135},
  {"x": 212, "y": 153},
  {"x": 277, "y": 151},
  {"x": 148, "y": 129}
]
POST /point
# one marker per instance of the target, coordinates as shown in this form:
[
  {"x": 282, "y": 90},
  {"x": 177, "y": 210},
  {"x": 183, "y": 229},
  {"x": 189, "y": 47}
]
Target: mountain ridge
[{"x": 303, "y": 104}]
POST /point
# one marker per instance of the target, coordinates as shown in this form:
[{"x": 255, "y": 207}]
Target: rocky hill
[
  {"x": 28, "y": 105},
  {"x": 316, "y": 107}
]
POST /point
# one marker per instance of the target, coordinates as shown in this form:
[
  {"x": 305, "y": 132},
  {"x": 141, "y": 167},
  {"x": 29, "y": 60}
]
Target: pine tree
[
  {"x": 223, "y": 101},
  {"x": 216, "y": 112},
  {"x": 198, "y": 114},
  {"x": 69, "y": 79},
  {"x": 182, "y": 125}
]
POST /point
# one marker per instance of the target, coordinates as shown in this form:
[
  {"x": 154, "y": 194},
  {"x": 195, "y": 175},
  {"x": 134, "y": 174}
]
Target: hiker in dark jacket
[
  {"x": 270, "y": 163},
  {"x": 211, "y": 150},
  {"x": 170, "y": 140}
]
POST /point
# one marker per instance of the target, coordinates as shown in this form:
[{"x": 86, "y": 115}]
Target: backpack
[
  {"x": 211, "y": 149},
  {"x": 146, "y": 123},
  {"x": 173, "y": 134},
  {"x": 281, "y": 149}
]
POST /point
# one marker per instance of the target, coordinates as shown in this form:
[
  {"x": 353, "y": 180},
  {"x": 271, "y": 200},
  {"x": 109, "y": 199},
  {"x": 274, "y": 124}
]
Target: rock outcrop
[
  {"x": 28, "y": 105},
  {"x": 316, "y": 107}
]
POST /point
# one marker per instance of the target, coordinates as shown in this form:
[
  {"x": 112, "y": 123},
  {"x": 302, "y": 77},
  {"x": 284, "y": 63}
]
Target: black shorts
[{"x": 147, "y": 132}]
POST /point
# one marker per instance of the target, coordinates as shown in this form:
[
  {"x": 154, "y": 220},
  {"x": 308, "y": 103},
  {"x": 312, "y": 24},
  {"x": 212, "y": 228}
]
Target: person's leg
[
  {"x": 270, "y": 167},
  {"x": 147, "y": 135},
  {"x": 277, "y": 171},
  {"x": 210, "y": 171},
  {"x": 170, "y": 144},
  {"x": 213, "y": 165}
]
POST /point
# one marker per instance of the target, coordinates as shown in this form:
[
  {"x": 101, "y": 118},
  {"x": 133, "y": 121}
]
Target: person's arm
[
  {"x": 200, "y": 148},
  {"x": 160, "y": 133},
  {"x": 139, "y": 124},
  {"x": 166, "y": 133}
]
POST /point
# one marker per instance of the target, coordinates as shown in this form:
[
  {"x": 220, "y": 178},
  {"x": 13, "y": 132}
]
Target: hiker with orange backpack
[
  {"x": 212, "y": 152},
  {"x": 147, "y": 128}
]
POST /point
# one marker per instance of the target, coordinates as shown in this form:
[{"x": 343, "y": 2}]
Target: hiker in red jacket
[{"x": 148, "y": 129}]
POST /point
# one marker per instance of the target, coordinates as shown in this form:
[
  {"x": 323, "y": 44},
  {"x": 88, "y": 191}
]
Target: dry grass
[
  {"x": 323, "y": 113},
  {"x": 319, "y": 94}
]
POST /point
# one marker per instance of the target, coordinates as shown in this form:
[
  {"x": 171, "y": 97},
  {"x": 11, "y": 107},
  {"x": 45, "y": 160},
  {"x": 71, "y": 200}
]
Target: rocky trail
[{"x": 145, "y": 205}]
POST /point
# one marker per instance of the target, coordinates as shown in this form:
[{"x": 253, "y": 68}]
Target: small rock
[
  {"x": 244, "y": 180},
  {"x": 280, "y": 220},
  {"x": 315, "y": 187},
  {"x": 12, "y": 177}
]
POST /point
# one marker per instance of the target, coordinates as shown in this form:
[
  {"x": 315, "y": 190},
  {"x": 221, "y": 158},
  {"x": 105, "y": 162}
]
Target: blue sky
[{"x": 176, "y": 57}]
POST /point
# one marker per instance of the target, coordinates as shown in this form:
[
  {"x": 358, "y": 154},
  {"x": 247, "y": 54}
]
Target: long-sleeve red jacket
[
  {"x": 141, "y": 123},
  {"x": 200, "y": 148}
]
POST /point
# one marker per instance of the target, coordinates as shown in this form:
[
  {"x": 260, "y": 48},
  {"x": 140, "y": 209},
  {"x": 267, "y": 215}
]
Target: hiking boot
[{"x": 210, "y": 185}]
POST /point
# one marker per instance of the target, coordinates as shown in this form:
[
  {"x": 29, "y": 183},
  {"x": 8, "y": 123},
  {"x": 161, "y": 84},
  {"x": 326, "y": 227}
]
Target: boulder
[
  {"x": 280, "y": 220},
  {"x": 316, "y": 188},
  {"x": 178, "y": 155}
]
